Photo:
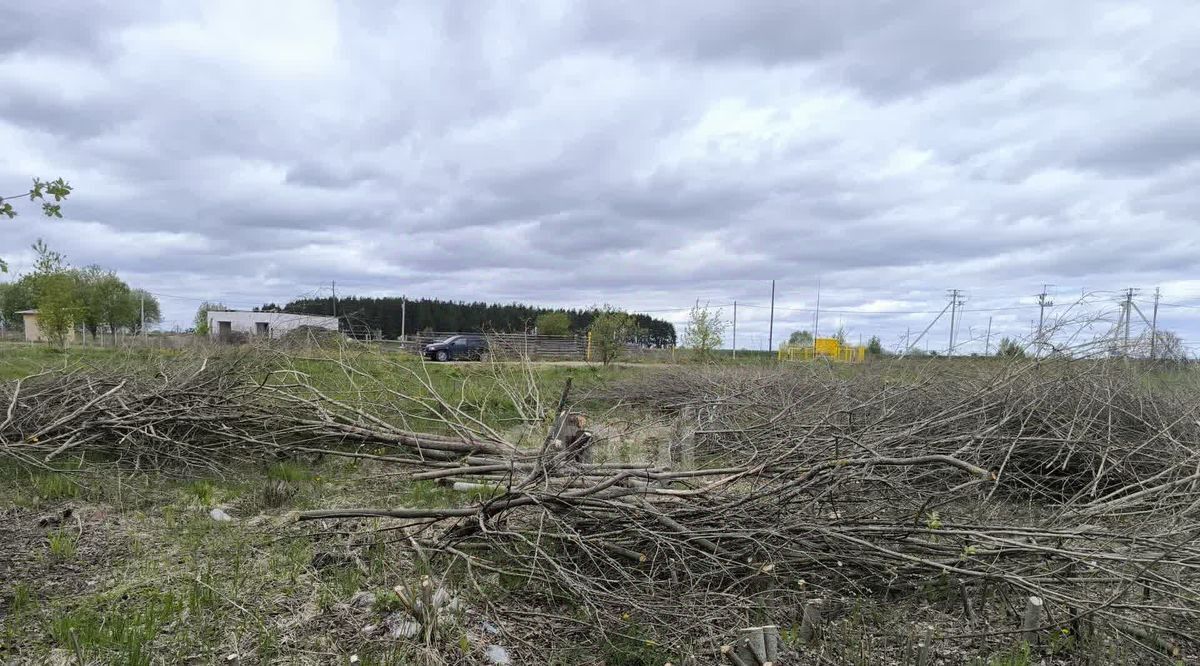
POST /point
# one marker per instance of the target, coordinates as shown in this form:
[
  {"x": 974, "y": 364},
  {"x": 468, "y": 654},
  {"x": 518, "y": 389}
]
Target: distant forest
[{"x": 430, "y": 315}]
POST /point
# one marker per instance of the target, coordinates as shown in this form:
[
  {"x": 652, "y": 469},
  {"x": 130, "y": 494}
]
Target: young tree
[
  {"x": 103, "y": 298},
  {"x": 140, "y": 304},
  {"x": 58, "y": 308},
  {"x": 610, "y": 330},
  {"x": 200, "y": 324},
  {"x": 57, "y": 189},
  {"x": 840, "y": 335},
  {"x": 14, "y": 297},
  {"x": 554, "y": 323},
  {"x": 874, "y": 346},
  {"x": 1010, "y": 348},
  {"x": 705, "y": 331},
  {"x": 800, "y": 339},
  {"x": 1169, "y": 347}
]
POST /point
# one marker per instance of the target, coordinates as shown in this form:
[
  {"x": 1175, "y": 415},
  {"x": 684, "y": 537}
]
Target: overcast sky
[{"x": 641, "y": 154}]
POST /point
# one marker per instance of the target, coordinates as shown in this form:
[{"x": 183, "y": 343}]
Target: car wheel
[{"x": 442, "y": 355}]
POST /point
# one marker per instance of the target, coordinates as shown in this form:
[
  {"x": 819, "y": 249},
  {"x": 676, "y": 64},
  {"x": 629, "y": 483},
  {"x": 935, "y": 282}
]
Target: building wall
[
  {"x": 278, "y": 323},
  {"x": 33, "y": 332}
]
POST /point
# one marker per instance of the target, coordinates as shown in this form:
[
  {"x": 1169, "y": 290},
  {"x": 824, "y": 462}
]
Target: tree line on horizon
[
  {"x": 429, "y": 315},
  {"x": 67, "y": 298}
]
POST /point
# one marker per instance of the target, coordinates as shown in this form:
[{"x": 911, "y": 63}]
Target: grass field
[
  {"x": 107, "y": 563},
  {"x": 106, "y": 566}
]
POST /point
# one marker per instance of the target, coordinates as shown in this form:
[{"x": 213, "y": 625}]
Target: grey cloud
[
  {"x": 1141, "y": 147},
  {"x": 642, "y": 155},
  {"x": 63, "y": 27}
]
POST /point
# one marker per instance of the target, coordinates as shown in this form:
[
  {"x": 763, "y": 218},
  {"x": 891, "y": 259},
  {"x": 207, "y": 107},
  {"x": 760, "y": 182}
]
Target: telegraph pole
[
  {"x": 771, "y": 326},
  {"x": 403, "y": 317},
  {"x": 1154, "y": 327},
  {"x": 1043, "y": 303},
  {"x": 1128, "y": 314},
  {"x": 954, "y": 303},
  {"x": 143, "y": 295},
  {"x": 735, "y": 329},
  {"x": 817, "y": 313},
  {"x": 987, "y": 344}
]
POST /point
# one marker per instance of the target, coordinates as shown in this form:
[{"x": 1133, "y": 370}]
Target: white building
[{"x": 224, "y": 323}]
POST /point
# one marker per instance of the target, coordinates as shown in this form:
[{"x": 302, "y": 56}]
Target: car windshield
[{"x": 450, "y": 340}]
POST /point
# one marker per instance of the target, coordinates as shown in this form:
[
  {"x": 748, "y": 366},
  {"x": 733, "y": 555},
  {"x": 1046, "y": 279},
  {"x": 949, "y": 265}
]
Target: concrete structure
[
  {"x": 33, "y": 332},
  {"x": 224, "y": 324}
]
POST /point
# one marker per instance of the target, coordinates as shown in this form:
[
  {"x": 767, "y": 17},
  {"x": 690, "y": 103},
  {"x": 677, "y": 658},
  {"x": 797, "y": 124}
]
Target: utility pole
[
  {"x": 987, "y": 344},
  {"x": 143, "y": 295},
  {"x": 1043, "y": 303},
  {"x": 735, "y": 329},
  {"x": 771, "y": 326},
  {"x": 817, "y": 314},
  {"x": 333, "y": 288},
  {"x": 954, "y": 303},
  {"x": 1154, "y": 327},
  {"x": 1128, "y": 312},
  {"x": 403, "y": 317}
]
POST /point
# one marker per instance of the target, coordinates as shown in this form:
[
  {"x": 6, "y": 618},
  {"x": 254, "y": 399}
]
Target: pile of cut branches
[{"x": 963, "y": 493}]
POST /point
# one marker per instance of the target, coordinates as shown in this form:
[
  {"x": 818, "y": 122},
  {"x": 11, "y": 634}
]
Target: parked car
[{"x": 457, "y": 348}]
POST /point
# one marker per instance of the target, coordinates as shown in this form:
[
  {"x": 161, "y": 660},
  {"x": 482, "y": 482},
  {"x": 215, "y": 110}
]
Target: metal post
[
  {"x": 771, "y": 326},
  {"x": 987, "y": 344},
  {"x": 403, "y": 316},
  {"x": 953, "y": 312},
  {"x": 1128, "y": 313},
  {"x": 143, "y": 295},
  {"x": 1042, "y": 305},
  {"x": 1154, "y": 327},
  {"x": 735, "y": 329},
  {"x": 817, "y": 314}
]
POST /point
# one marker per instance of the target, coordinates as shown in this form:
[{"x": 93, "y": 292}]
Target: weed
[
  {"x": 289, "y": 472},
  {"x": 63, "y": 545},
  {"x": 277, "y": 493},
  {"x": 387, "y": 602},
  {"x": 339, "y": 584},
  {"x": 430, "y": 494},
  {"x": 121, "y": 635},
  {"x": 55, "y": 486},
  {"x": 632, "y": 649},
  {"x": 22, "y": 599},
  {"x": 1019, "y": 655},
  {"x": 202, "y": 492}
]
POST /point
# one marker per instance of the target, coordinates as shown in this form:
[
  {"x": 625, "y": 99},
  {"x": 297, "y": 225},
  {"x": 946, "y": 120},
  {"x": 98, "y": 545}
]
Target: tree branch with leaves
[{"x": 42, "y": 190}]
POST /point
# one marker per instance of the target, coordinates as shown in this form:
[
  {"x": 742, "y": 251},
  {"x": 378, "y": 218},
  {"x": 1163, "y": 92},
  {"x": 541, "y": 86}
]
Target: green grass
[
  {"x": 116, "y": 635},
  {"x": 289, "y": 471},
  {"x": 201, "y": 493},
  {"x": 64, "y": 544},
  {"x": 55, "y": 486}
]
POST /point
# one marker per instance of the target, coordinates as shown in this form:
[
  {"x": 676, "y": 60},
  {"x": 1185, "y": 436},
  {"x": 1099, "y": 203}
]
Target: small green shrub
[
  {"x": 22, "y": 599},
  {"x": 63, "y": 545},
  {"x": 202, "y": 492}
]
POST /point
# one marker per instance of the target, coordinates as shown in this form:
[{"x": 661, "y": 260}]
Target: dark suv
[{"x": 457, "y": 348}]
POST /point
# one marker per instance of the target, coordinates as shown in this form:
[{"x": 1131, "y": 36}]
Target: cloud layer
[{"x": 580, "y": 153}]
